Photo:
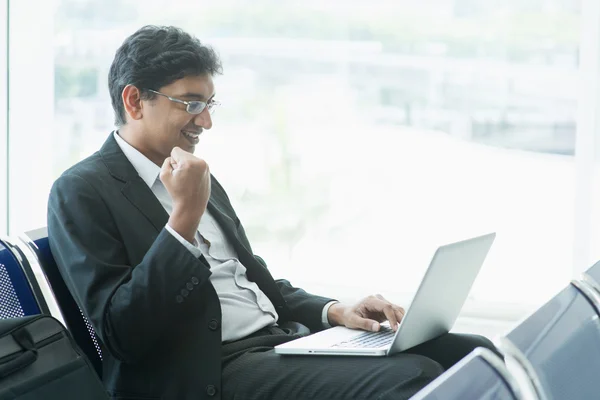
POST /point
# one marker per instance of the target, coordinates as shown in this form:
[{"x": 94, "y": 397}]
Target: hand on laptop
[{"x": 366, "y": 314}]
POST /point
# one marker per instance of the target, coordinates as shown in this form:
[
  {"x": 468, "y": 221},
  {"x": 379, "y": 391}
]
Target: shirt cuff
[
  {"x": 324, "y": 318},
  {"x": 193, "y": 248}
]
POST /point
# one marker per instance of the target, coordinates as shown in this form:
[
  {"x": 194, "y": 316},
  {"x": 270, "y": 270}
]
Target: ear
[{"x": 132, "y": 102}]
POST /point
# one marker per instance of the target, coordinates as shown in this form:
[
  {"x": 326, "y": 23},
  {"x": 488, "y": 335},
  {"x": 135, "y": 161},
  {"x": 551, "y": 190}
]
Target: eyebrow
[{"x": 198, "y": 96}]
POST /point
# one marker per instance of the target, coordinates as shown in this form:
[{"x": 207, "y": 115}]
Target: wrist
[
  {"x": 184, "y": 223},
  {"x": 335, "y": 314}
]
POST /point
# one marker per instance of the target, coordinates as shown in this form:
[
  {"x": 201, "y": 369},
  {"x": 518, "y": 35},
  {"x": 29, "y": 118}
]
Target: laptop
[{"x": 432, "y": 313}]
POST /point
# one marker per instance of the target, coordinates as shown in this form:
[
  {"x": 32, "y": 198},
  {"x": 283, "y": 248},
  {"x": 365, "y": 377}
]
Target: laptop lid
[{"x": 442, "y": 292}]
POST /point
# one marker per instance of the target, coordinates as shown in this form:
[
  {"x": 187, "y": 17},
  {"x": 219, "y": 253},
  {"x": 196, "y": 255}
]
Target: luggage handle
[{"x": 23, "y": 337}]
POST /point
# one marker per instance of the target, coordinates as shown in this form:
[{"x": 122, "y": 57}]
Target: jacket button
[
  {"x": 195, "y": 280},
  {"x": 185, "y": 293},
  {"x": 213, "y": 325},
  {"x": 179, "y": 299},
  {"x": 211, "y": 390},
  {"x": 189, "y": 286}
]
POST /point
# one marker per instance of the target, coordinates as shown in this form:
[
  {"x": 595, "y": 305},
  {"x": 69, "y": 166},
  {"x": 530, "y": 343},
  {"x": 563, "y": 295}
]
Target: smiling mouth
[{"x": 193, "y": 137}]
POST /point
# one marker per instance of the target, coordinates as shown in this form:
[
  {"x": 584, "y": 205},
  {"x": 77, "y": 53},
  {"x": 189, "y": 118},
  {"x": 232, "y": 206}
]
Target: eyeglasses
[{"x": 192, "y": 107}]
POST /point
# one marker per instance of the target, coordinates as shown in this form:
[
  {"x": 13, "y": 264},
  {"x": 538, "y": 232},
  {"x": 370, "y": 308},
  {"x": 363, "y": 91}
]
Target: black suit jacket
[{"x": 149, "y": 299}]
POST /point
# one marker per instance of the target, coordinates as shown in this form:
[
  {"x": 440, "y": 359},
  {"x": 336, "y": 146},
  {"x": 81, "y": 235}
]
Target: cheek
[
  {"x": 169, "y": 129},
  {"x": 177, "y": 123}
]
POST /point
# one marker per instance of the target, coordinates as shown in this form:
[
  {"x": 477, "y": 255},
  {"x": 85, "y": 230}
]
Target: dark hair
[{"x": 156, "y": 56}]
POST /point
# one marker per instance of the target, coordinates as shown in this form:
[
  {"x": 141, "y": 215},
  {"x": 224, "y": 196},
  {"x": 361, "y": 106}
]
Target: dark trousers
[{"x": 252, "y": 370}]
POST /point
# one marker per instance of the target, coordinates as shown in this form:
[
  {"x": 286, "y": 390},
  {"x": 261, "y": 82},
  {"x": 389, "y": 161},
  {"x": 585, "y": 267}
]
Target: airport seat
[
  {"x": 37, "y": 245},
  {"x": 480, "y": 375},
  {"x": 558, "y": 346},
  {"x": 592, "y": 276},
  {"x": 19, "y": 294}
]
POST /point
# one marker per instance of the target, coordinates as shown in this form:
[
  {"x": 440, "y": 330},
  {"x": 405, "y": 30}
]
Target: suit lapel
[
  {"x": 138, "y": 193},
  {"x": 218, "y": 211},
  {"x": 134, "y": 188},
  {"x": 221, "y": 210},
  {"x": 255, "y": 271}
]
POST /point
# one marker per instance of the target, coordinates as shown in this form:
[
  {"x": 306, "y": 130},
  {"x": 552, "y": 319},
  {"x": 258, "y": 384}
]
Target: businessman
[{"x": 156, "y": 257}]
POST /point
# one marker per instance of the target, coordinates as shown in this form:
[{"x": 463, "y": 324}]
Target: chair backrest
[
  {"x": 592, "y": 276},
  {"x": 79, "y": 326},
  {"x": 559, "y": 347},
  {"x": 480, "y": 375},
  {"x": 19, "y": 294}
]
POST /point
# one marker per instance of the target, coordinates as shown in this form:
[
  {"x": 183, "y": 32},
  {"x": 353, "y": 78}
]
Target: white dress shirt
[{"x": 244, "y": 307}]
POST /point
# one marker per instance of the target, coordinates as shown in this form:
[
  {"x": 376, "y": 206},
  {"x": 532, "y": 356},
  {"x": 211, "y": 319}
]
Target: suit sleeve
[
  {"x": 304, "y": 307},
  {"x": 130, "y": 306}
]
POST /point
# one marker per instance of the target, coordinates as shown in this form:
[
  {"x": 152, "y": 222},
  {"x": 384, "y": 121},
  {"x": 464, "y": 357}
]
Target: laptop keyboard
[{"x": 367, "y": 340}]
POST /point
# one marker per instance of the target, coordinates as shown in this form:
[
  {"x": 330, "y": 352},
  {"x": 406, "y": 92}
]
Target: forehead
[{"x": 199, "y": 87}]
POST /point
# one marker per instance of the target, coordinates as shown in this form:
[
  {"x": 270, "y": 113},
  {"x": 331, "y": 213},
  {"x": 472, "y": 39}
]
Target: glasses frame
[{"x": 190, "y": 104}]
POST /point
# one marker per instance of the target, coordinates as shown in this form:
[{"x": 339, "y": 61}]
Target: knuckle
[{"x": 198, "y": 163}]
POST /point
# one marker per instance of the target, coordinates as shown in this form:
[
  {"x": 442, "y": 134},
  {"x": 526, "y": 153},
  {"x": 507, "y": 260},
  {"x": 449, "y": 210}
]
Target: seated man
[{"x": 156, "y": 257}]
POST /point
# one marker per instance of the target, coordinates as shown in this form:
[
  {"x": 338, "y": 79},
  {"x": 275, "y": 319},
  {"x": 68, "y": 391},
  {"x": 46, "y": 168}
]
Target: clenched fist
[{"x": 187, "y": 179}]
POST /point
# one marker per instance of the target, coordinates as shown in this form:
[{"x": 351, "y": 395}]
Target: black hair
[{"x": 156, "y": 56}]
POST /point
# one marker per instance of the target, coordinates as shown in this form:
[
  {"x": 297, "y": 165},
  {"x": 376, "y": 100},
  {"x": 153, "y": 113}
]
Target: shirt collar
[{"x": 147, "y": 170}]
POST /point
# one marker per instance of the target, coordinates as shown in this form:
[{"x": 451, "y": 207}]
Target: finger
[
  {"x": 363, "y": 323},
  {"x": 177, "y": 154},
  {"x": 384, "y": 301},
  {"x": 390, "y": 315},
  {"x": 399, "y": 311},
  {"x": 374, "y": 306},
  {"x": 167, "y": 167},
  {"x": 383, "y": 309}
]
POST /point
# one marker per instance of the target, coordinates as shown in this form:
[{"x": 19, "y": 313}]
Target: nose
[{"x": 203, "y": 119}]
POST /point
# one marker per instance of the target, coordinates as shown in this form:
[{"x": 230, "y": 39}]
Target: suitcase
[{"x": 39, "y": 360}]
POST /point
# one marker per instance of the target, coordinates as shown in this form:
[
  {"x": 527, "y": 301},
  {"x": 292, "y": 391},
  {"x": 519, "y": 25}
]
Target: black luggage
[{"x": 39, "y": 360}]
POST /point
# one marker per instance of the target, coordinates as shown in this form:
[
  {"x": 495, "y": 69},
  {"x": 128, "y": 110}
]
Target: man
[{"x": 156, "y": 257}]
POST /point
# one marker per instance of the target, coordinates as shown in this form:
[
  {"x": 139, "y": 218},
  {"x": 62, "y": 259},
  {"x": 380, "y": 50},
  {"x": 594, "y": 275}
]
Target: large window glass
[{"x": 354, "y": 136}]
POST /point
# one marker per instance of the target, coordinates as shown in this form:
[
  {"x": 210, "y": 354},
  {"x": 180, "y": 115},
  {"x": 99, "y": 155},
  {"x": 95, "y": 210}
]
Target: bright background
[{"x": 354, "y": 137}]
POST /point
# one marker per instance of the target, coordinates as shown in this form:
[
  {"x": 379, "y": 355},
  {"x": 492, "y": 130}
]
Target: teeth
[{"x": 192, "y": 135}]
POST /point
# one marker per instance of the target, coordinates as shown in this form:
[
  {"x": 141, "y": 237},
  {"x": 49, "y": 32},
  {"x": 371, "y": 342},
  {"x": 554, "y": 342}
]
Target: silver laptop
[{"x": 432, "y": 313}]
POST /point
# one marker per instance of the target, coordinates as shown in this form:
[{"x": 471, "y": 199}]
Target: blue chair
[
  {"x": 480, "y": 375},
  {"x": 37, "y": 245},
  {"x": 558, "y": 346},
  {"x": 19, "y": 293}
]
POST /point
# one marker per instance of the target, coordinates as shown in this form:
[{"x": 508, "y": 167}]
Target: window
[{"x": 354, "y": 136}]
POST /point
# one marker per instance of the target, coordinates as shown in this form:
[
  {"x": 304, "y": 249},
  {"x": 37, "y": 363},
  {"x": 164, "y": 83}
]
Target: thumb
[
  {"x": 176, "y": 154},
  {"x": 364, "y": 323}
]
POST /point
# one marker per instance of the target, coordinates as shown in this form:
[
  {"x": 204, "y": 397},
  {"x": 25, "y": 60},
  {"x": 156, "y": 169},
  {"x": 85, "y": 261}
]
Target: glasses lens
[
  {"x": 195, "y": 107},
  {"x": 213, "y": 106}
]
